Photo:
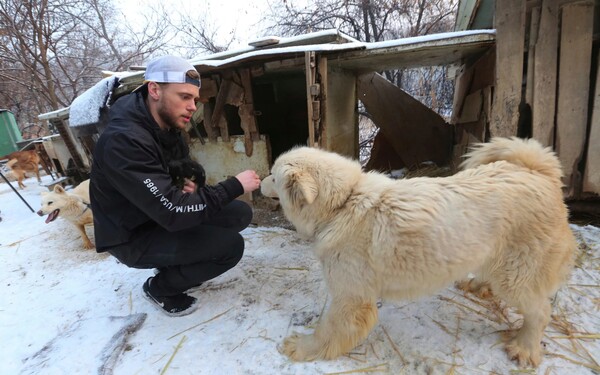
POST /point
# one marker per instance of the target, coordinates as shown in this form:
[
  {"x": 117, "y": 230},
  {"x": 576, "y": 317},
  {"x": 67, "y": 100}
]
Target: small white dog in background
[
  {"x": 73, "y": 206},
  {"x": 502, "y": 219}
]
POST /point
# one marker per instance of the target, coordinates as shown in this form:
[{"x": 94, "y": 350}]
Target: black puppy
[{"x": 187, "y": 168}]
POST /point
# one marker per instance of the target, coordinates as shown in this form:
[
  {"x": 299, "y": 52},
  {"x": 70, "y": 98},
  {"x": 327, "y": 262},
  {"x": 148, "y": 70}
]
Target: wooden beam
[
  {"x": 573, "y": 90},
  {"x": 510, "y": 40},
  {"x": 402, "y": 53}
]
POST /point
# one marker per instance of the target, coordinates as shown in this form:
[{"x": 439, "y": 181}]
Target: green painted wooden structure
[{"x": 9, "y": 133}]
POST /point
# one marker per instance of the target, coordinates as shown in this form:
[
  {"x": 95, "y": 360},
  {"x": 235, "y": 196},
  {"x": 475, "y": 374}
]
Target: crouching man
[{"x": 189, "y": 234}]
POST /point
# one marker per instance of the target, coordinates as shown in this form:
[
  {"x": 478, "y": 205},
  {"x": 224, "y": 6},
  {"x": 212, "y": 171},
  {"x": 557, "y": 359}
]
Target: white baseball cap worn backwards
[{"x": 169, "y": 69}]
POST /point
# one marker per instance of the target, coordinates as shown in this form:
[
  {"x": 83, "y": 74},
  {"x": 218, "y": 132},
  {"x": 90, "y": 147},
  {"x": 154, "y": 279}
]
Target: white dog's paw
[
  {"x": 295, "y": 347},
  {"x": 523, "y": 349},
  {"x": 524, "y": 356}
]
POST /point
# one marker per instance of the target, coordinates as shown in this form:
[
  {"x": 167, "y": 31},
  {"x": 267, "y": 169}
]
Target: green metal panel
[
  {"x": 9, "y": 133},
  {"x": 475, "y": 15}
]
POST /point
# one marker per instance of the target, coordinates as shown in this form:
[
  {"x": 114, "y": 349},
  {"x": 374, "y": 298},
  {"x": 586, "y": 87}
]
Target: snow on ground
[{"x": 65, "y": 310}]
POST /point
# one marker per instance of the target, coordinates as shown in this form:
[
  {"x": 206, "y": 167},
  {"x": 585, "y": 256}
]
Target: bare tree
[
  {"x": 373, "y": 21},
  {"x": 196, "y": 35},
  {"x": 378, "y": 20},
  {"x": 366, "y": 20},
  {"x": 53, "y": 50}
]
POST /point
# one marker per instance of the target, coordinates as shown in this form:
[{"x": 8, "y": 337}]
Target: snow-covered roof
[
  {"x": 342, "y": 51},
  {"x": 427, "y": 50}
]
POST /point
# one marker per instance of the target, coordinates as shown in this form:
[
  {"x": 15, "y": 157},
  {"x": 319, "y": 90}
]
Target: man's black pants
[{"x": 187, "y": 258}]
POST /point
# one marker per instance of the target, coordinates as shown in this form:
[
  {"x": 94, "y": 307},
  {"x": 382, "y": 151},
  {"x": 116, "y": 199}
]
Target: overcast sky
[{"x": 240, "y": 18}]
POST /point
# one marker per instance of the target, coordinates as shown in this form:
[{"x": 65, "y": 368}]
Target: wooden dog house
[{"x": 282, "y": 92}]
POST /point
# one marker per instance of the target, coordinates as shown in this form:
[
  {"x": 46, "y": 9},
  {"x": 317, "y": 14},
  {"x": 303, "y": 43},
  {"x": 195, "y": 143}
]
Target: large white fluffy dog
[{"x": 502, "y": 219}]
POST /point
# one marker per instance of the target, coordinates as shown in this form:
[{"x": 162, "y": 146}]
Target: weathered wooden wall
[{"x": 540, "y": 86}]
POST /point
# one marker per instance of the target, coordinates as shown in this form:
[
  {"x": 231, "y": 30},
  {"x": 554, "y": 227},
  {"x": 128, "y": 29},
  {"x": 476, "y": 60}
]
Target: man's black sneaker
[{"x": 178, "y": 305}]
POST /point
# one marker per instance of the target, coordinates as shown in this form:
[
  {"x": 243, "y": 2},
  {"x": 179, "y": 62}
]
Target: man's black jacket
[{"x": 130, "y": 185}]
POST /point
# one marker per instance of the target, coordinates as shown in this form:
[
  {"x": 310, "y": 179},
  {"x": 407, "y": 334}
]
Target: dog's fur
[
  {"x": 21, "y": 162},
  {"x": 502, "y": 219},
  {"x": 73, "y": 206}
]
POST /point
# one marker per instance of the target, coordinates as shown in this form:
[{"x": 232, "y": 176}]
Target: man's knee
[
  {"x": 238, "y": 215},
  {"x": 246, "y": 215},
  {"x": 236, "y": 249}
]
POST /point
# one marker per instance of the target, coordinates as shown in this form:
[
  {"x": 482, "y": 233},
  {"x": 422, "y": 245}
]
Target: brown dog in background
[{"x": 21, "y": 162}]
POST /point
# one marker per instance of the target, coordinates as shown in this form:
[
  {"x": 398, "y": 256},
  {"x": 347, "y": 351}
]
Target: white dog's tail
[{"x": 527, "y": 153}]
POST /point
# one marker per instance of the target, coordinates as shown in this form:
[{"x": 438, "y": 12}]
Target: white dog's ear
[
  {"x": 303, "y": 188},
  {"x": 58, "y": 189}
]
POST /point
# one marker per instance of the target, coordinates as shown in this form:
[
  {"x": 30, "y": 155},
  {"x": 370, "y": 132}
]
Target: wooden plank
[
  {"x": 221, "y": 100},
  {"x": 341, "y": 133},
  {"x": 462, "y": 87},
  {"x": 416, "y": 133},
  {"x": 573, "y": 91},
  {"x": 510, "y": 36},
  {"x": 466, "y": 13},
  {"x": 249, "y": 103},
  {"x": 211, "y": 131},
  {"x": 533, "y": 35},
  {"x": 246, "y": 112},
  {"x": 591, "y": 176},
  {"x": 224, "y": 129},
  {"x": 544, "y": 71},
  {"x": 472, "y": 108},
  {"x": 323, "y": 69},
  {"x": 477, "y": 76}
]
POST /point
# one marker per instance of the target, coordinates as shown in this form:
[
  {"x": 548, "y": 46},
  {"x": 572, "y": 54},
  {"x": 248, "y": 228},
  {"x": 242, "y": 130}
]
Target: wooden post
[
  {"x": 310, "y": 67},
  {"x": 322, "y": 124},
  {"x": 246, "y": 113},
  {"x": 510, "y": 40},
  {"x": 591, "y": 177},
  {"x": 573, "y": 91}
]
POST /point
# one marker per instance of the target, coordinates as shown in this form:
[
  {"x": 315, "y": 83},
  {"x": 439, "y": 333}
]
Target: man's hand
[
  {"x": 249, "y": 180},
  {"x": 189, "y": 186}
]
